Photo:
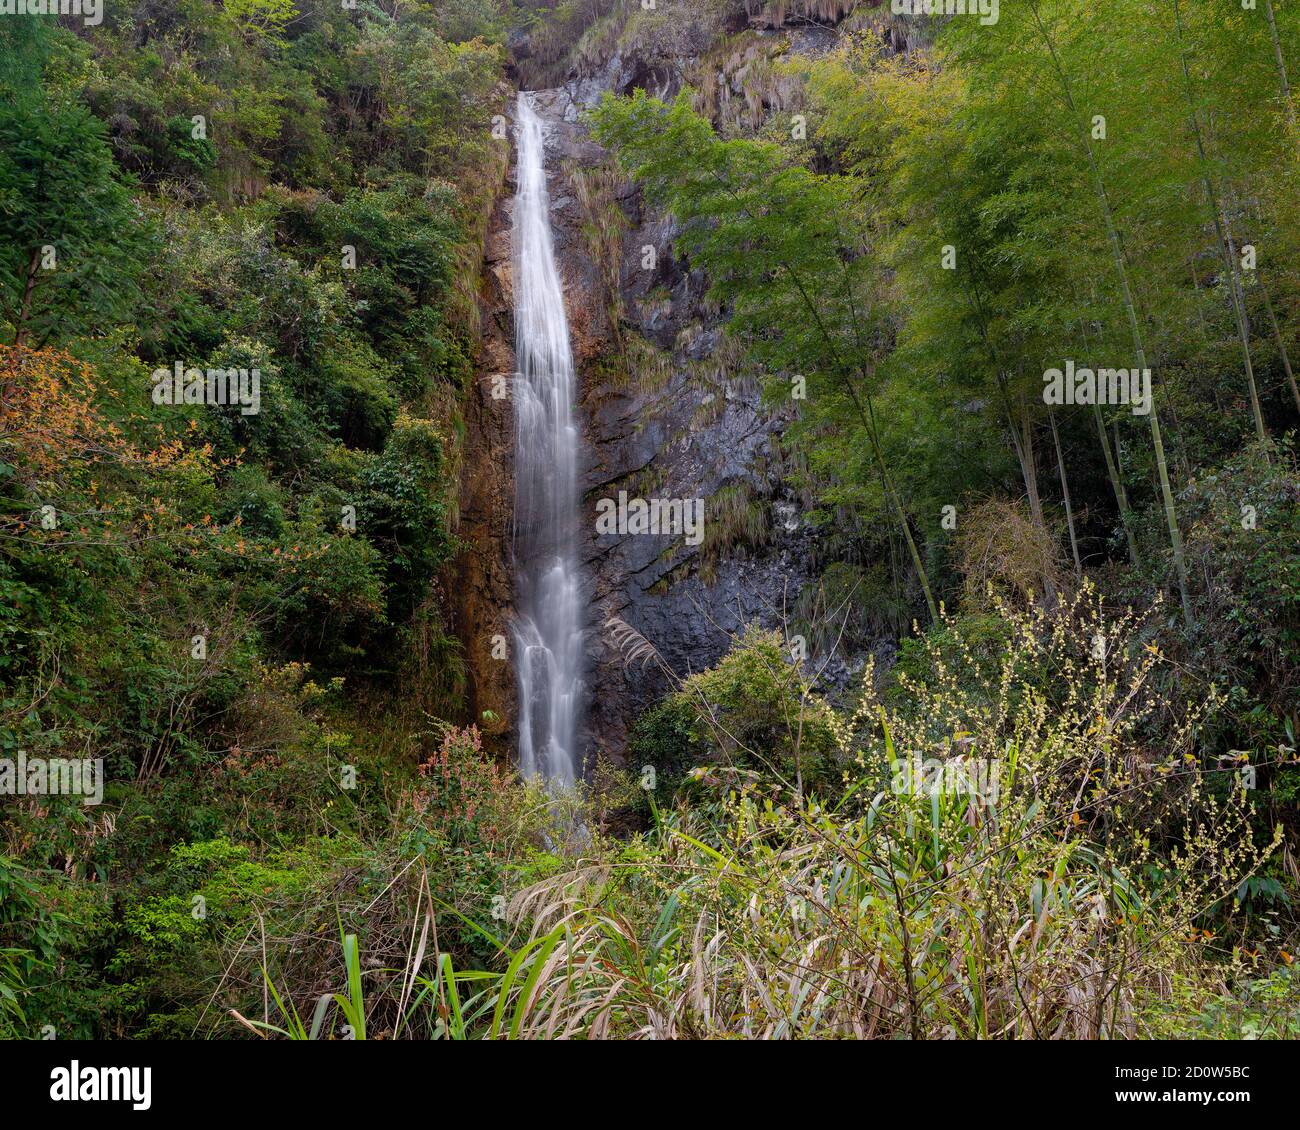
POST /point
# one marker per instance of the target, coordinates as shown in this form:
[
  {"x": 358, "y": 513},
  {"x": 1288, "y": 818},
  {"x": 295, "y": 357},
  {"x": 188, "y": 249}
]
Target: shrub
[
  {"x": 756, "y": 711},
  {"x": 1058, "y": 899}
]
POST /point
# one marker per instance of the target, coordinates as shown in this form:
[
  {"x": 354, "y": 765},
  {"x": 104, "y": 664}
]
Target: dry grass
[
  {"x": 1000, "y": 547},
  {"x": 1029, "y": 914}
]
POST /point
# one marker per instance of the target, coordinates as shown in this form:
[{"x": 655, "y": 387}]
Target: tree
[
  {"x": 69, "y": 231},
  {"x": 785, "y": 248}
]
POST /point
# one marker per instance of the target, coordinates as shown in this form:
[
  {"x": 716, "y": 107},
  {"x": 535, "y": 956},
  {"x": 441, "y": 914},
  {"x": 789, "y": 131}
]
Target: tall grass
[{"x": 1064, "y": 864}]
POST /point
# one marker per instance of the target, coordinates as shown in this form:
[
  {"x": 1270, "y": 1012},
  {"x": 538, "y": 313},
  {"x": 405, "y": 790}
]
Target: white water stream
[{"x": 548, "y": 616}]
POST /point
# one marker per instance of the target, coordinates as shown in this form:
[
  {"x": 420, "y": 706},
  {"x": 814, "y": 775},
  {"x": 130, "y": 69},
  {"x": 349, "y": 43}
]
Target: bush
[
  {"x": 755, "y": 710},
  {"x": 1011, "y": 862}
]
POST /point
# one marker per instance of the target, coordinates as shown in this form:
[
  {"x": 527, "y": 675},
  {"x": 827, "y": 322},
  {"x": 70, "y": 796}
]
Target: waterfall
[{"x": 548, "y": 620}]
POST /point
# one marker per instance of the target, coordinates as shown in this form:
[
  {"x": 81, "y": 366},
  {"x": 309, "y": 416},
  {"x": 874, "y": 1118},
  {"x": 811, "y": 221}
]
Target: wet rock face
[
  {"x": 694, "y": 429},
  {"x": 483, "y": 575},
  {"x": 696, "y": 433}
]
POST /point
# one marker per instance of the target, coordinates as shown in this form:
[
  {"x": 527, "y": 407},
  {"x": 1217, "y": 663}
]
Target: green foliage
[
  {"x": 404, "y": 239},
  {"x": 664, "y": 737},
  {"x": 199, "y": 170},
  {"x": 755, "y": 710},
  {"x": 1257, "y": 1008},
  {"x": 262, "y": 19},
  {"x": 50, "y": 931},
  {"x": 738, "y": 523},
  {"x": 1244, "y": 520},
  {"x": 1054, "y": 847},
  {"x": 69, "y": 236},
  {"x": 792, "y": 255}
]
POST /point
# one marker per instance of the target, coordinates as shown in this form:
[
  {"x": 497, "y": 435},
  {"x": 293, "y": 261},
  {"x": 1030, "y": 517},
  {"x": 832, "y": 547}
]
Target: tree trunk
[
  {"x": 1226, "y": 248},
  {"x": 1112, "y": 460},
  {"x": 1281, "y": 67},
  {"x": 1065, "y": 495},
  {"x": 1281, "y": 345},
  {"x": 1117, "y": 253},
  {"x": 1029, "y": 468},
  {"x": 870, "y": 419},
  {"x": 1023, "y": 445},
  {"x": 24, "y": 311},
  {"x": 1243, "y": 324},
  {"x": 1200, "y": 313},
  {"x": 1117, "y": 485}
]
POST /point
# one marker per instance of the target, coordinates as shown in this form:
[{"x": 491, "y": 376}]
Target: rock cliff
[{"x": 667, "y": 409}]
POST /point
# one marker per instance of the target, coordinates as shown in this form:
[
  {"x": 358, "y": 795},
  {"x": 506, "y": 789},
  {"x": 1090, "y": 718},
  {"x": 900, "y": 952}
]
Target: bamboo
[{"x": 1153, "y": 417}]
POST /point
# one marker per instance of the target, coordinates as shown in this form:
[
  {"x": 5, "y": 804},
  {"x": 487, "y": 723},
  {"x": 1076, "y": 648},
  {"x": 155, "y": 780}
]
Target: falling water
[{"x": 548, "y": 632}]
